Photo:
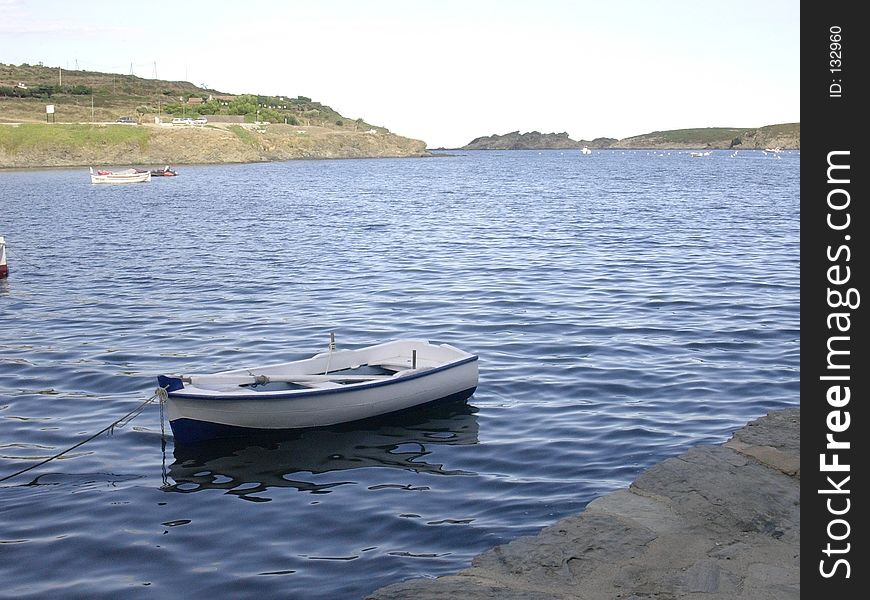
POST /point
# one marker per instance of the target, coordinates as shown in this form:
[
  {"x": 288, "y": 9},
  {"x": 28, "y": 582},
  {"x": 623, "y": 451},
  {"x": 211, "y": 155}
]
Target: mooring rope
[
  {"x": 160, "y": 394},
  {"x": 19, "y": 261},
  {"x": 163, "y": 395}
]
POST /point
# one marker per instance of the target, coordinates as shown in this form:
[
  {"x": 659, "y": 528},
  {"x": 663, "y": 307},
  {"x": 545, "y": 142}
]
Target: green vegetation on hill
[
  {"x": 35, "y": 136},
  {"x": 70, "y": 145},
  {"x": 704, "y": 135},
  {"x": 243, "y": 134},
  {"x": 783, "y": 129},
  {"x": 102, "y": 84},
  {"x": 89, "y": 96}
]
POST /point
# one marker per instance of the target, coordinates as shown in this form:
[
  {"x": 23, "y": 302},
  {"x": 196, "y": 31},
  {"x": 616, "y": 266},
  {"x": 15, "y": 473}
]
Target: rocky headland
[
  {"x": 719, "y": 522},
  {"x": 533, "y": 140},
  {"x": 785, "y": 136}
]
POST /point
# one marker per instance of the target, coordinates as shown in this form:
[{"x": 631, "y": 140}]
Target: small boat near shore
[
  {"x": 338, "y": 386},
  {"x": 164, "y": 172},
  {"x": 125, "y": 176},
  {"x": 585, "y": 150},
  {"x": 698, "y": 154}
]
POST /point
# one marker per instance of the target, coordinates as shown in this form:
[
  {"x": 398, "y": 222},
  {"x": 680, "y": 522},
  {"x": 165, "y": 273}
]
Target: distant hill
[
  {"x": 786, "y": 135},
  {"x": 533, "y": 140}
]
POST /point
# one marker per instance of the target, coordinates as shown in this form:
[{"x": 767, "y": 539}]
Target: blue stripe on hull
[{"x": 191, "y": 431}]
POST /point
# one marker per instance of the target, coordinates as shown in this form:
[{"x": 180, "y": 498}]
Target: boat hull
[
  {"x": 192, "y": 431},
  {"x": 197, "y": 414},
  {"x": 120, "y": 180},
  {"x": 120, "y": 177}
]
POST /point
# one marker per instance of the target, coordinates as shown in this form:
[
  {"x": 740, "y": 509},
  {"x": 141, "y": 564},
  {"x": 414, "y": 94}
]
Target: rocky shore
[{"x": 719, "y": 522}]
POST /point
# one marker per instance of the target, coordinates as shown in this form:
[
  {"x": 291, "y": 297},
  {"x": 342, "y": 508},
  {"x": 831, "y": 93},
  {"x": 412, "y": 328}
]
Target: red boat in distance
[{"x": 165, "y": 172}]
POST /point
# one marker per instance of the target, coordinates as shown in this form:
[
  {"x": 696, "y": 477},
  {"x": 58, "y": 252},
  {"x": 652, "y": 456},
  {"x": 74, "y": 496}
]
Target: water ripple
[{"x": 624, "y": 307}]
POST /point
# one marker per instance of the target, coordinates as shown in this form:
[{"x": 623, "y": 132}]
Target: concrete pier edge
[{"x": 718, "y": 522}]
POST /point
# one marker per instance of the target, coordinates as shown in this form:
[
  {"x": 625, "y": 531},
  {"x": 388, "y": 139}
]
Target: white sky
[{"x": 447, "y": 71}]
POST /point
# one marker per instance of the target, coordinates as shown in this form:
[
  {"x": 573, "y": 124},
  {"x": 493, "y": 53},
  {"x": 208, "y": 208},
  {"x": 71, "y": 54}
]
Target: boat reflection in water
[{"x": 252, "y": 465}]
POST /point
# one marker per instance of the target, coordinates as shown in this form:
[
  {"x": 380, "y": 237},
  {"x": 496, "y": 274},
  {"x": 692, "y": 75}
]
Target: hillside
[
  {"x": 786, "y": 135},
  {"x": 533, "y": 140},
  {"x": 241, "y": 128},
  {"x": 70, "y": 145},
  {"x": 89, "y": 96}
]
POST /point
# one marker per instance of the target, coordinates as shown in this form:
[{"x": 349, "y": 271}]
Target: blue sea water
[{"x": 625, "y": 306}]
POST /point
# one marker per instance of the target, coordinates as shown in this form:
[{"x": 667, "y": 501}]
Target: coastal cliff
[{"x": 43, "y": 145}]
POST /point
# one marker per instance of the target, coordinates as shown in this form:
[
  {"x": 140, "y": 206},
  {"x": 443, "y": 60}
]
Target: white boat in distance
[
  {"x": 698, "y": 154},
  {"x": 586, "y": 150},
  {"x": 338, "y": 386},
  {"x": 125, "y": 176}
]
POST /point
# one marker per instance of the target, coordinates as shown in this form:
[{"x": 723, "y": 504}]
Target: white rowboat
[
  {"x": 339, "y": 386},
  {"x": 125, "y": 176}
]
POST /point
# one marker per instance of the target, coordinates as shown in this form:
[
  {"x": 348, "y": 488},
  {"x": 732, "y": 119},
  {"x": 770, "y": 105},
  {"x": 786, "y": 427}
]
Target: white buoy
[{"x": 4, "y": 269}]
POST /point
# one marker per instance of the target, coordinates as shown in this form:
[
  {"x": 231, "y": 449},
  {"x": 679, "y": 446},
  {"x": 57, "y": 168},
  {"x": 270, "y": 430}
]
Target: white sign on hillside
[{"x": 49, "y": 109}]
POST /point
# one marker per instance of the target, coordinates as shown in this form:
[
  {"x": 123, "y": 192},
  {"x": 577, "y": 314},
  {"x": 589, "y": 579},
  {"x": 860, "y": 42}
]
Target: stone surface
[
  {"x": 769, "y": 441},
  {"x": 715, "y": 523}
]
